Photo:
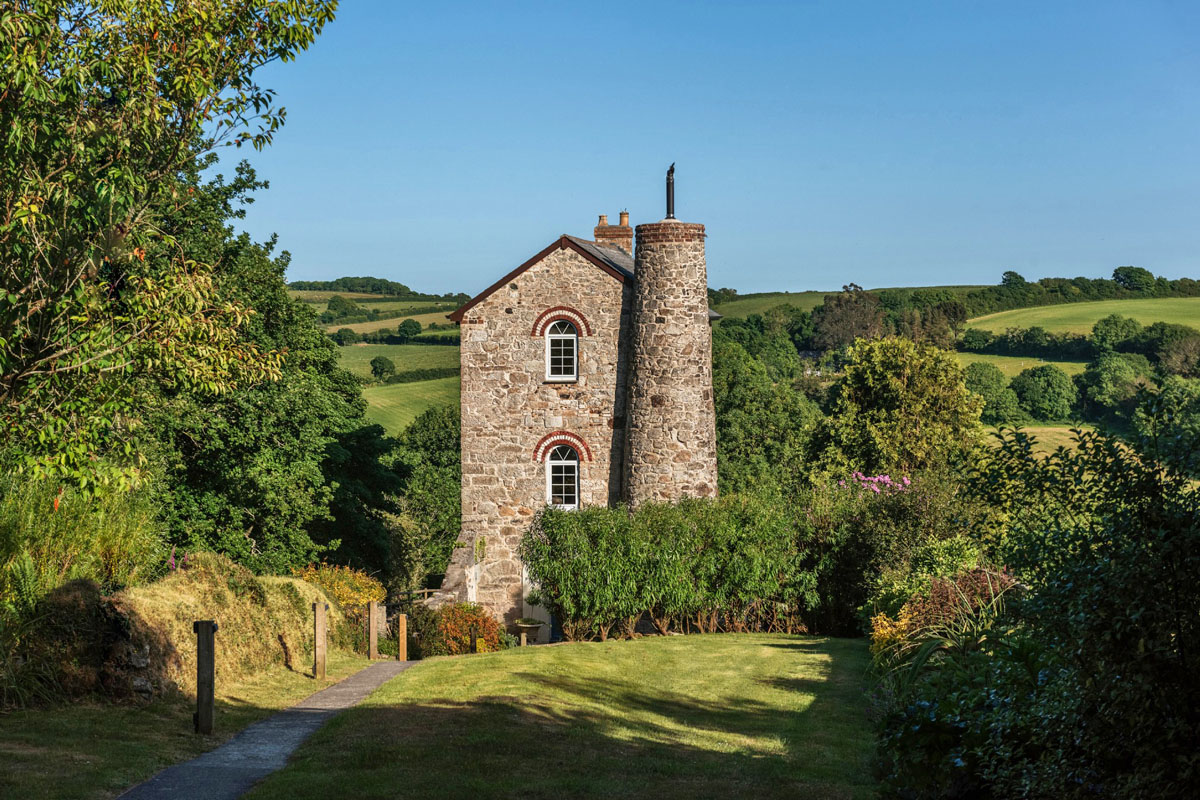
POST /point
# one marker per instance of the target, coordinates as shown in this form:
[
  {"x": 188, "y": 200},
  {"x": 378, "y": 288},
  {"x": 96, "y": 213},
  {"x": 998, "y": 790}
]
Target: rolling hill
[{"x": 1080, "y": 317}]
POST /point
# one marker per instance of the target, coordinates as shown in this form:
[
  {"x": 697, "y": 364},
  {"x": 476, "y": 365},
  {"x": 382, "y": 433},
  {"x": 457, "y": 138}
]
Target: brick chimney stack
[{"x": 615, "y": 235}]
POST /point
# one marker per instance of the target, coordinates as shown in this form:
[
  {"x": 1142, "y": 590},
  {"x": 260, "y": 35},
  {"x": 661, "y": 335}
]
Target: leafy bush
[
  {"x": 447, "y": 631},
  {"x": 345, "y": 586},
  {"x": 50, "y": 535},
  {"x": 1000, "y": 404},
  {"x": 1087, "y": 685},
  {"x": 1046, "y": 393}
]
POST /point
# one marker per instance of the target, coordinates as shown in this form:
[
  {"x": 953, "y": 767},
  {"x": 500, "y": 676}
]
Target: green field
[
  {"x": 1048, "y": 438},
  {"x": 379, "y": 324},
  {"x": 357, "y": 357},
  {"x": 717, "y": 716},
  {"x": 1080, "y": 317},
  {"x": 395, "y": 405},
  {"x": 1012, "y": 366},
  {"x": 740, "y": 309}
]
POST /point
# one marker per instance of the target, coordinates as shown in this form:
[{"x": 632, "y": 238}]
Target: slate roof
[{"x": 615, "y": 257}]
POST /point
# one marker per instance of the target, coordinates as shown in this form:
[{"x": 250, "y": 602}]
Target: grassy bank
[
  {"x": 673, "y": 717},
  {"x": 95, "y": 751},
  {"x": 1080, "y": 317}
]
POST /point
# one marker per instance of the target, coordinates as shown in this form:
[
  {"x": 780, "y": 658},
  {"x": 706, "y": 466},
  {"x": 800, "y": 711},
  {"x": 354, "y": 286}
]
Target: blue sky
[{"x": 889, "y": 144}]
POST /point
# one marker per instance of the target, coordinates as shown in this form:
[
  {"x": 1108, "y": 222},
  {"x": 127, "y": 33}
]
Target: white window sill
[{"x": 563, "y": 379}]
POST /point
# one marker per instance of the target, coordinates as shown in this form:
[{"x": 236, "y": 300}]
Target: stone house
[{"x": 586, "y": 380}]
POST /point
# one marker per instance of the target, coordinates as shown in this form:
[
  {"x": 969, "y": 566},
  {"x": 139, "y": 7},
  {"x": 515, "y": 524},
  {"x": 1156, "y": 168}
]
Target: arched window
[
  {"x": 562, "y": 352},
  {"x": 562, "y": 477}
]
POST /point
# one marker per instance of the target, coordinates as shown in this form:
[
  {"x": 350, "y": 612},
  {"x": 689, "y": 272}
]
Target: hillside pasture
[
  {"x": 717, "y": 716},
  {"x": 1080, "y": 317},
  {"x": 425, "y": 319},
  {"x": 395, "y": 405},
  {"x": 357, "y": 357},
  {"x": 758, "y": 303},
  {"x": 1012, "y": 366}
]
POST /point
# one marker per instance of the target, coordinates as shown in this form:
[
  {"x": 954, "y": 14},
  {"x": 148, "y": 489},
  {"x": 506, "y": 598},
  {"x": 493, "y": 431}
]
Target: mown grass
[
  {"x": 1012, "y": 366},
  {"x": 357, "y": 357},
  {"x": 395, "y": 405},
  {"x": 720, "y": 716},
  {"x": 95, "y": 751},
  {"x": 1080, "y": 317}
]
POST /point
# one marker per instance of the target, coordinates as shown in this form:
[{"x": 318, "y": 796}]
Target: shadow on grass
[{"x": 565, "y": 735}]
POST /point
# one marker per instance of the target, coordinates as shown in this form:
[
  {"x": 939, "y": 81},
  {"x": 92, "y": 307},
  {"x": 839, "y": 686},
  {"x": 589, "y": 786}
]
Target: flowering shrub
[
  {"x": 450, "y": 633},
  {"x": 345, "y": 586},
  {"x": 878, "y": 483}
]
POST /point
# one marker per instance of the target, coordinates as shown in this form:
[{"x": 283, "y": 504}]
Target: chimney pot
[
  {"x": 625, "y": 218},
  {"x": 603, "y": 221}
]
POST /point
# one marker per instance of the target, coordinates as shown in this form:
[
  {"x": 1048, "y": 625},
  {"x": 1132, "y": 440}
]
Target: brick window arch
[
  {"x": 551, "y": 440},
  {"x": 551, "y": 315}
]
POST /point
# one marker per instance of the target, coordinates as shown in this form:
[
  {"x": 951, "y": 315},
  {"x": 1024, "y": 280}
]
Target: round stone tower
[{"x": 671, "y": 443}]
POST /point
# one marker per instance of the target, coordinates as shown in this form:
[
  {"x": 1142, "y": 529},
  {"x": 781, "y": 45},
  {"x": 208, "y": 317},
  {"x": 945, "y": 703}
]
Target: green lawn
[
  {"x": 1080, "y": 317},
  {"x": 96, "y": 751},
  {"x": 395, "y": 405},
  {"x": 1012, "y": 366},
  {"x": 719, "y": 716},
  {"x": 357, "y": 357}
]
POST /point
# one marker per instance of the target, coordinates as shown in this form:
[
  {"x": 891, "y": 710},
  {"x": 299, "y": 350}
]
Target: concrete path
[{"x": 262, "y": 748}]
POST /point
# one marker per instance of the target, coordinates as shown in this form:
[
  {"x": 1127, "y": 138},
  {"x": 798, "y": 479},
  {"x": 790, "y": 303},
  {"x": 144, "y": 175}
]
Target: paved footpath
[{"x": 230, "y": 770}]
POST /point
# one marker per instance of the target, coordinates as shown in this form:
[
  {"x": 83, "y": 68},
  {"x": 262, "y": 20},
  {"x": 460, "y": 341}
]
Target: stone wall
[
  {"x": 671, "y": 439},
  {"x": 508, "y": 408}
]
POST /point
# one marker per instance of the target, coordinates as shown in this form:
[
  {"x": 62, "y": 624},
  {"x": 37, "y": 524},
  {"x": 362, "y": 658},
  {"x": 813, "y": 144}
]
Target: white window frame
[
  {"x": 573, "y": 338},
  {"x": 554, "y": 457}
]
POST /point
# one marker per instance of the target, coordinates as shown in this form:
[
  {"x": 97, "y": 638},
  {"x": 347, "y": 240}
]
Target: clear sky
[{"x": 889, "y": 143}]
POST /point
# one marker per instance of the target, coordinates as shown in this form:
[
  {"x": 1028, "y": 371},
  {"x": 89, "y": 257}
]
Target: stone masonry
[
  {"x": 508, "y": 409},
  {"x": 644, "y": 343},
  {"x": 672, "y": 440}
]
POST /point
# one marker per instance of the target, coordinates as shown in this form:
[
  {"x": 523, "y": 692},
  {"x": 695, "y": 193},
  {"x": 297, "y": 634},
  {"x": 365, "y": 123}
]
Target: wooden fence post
[
  {"x": 206, "y": 667},
  {"x": 319, "y": 610},
  {"x": 402, "y": 637},
  {"x": 372, "y": 630},
  {"x": 523, "y": 642}
]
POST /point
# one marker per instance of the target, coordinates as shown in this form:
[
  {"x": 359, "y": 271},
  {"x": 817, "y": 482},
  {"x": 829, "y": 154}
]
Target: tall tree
[
  {"x": 842, "y": 318},
  {"x": 102, "y": 105}
]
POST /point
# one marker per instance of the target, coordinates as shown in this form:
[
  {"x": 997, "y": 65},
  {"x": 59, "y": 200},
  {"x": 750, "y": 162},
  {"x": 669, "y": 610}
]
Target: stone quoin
[{"x": 586, "y": 380}]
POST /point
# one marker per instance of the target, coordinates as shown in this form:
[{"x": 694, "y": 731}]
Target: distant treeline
[
  {"x": 393, "y": 290},
  {"x": 1126, "y": 283},
  {"x": 427, "y": 374},
  {"x": 1014, "y": 292}
]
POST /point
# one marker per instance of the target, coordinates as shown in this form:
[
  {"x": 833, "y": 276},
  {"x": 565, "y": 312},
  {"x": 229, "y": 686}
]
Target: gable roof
[{"x": 612, "y": 260}]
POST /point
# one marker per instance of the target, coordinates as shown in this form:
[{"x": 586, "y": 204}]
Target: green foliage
[
  {"x": 1134, "y": 279},
  {"x": 1046, "y": 393},
  {"x": 1085, "y": 687},
  {"x": 763, "y": 426},
  {"x": 382, "y": 367},
  {"x": 900, "y": 408},
  {"x": 1168, "y": 423},
  {"x": 345, "y": 336},
  {"x": 408, "y": 329},
  {"x": 847, "y": 316},
  {"x": 276, "y": 473},
  {"x": 447, "y": 631},
  {"x": 428, "y": 463},
  {"x": 105, "y": 104},
  {"x": 367, "y": 285},
  {"x": 51, "y": 534},
  {"x": 1000, "y": 404},
  {"x": 1113, "y": 331},
  {"x": 1110, "y": 383}
]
